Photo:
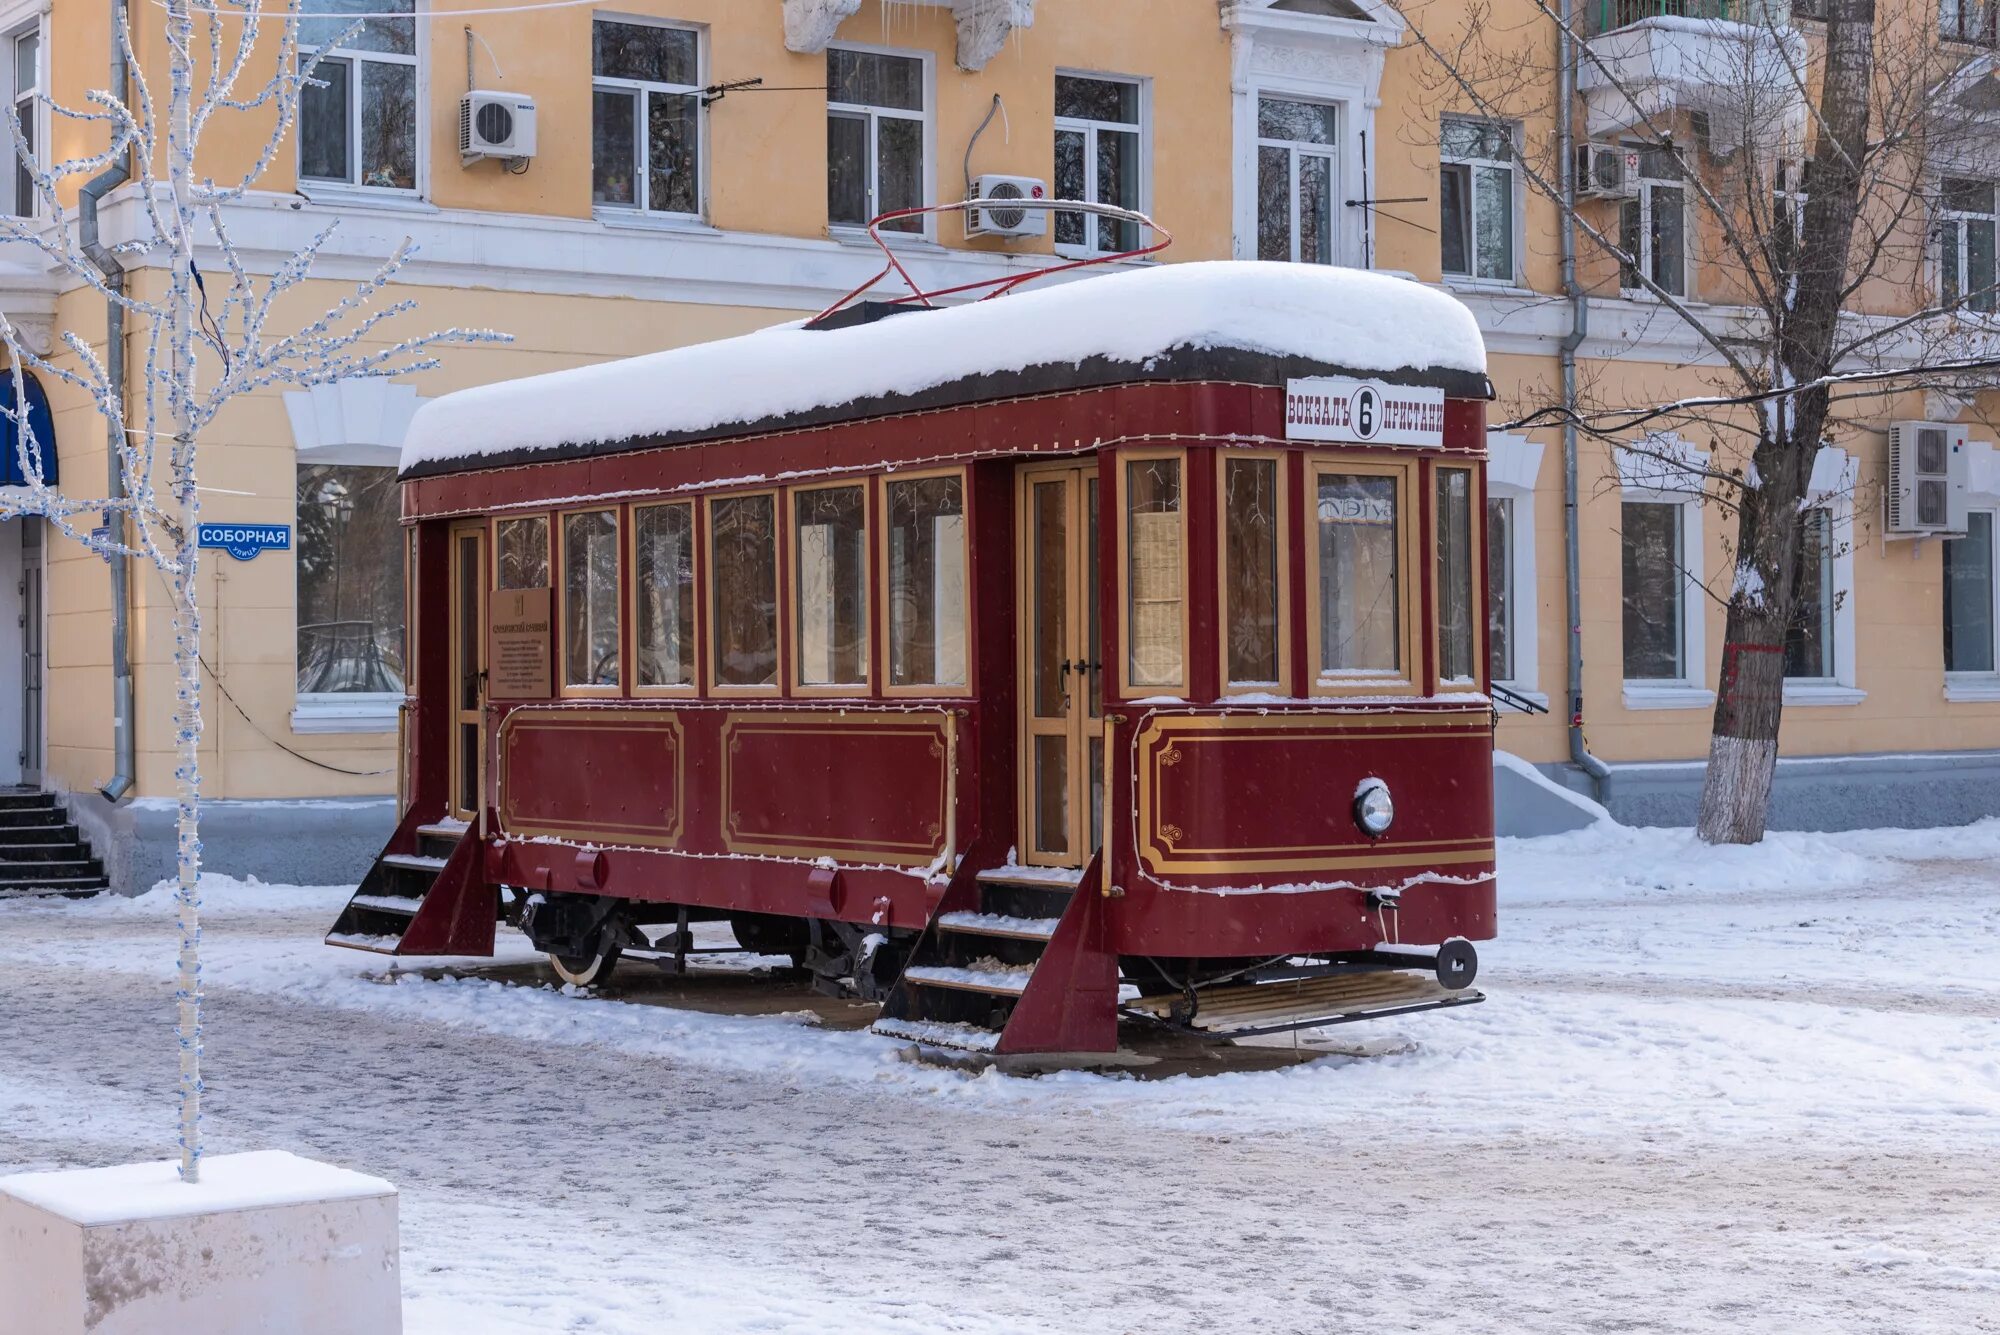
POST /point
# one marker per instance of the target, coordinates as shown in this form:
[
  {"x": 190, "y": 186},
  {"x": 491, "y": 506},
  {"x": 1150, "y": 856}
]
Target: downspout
[
  {"x": 1579, "y": 328},
  {"x": 113, "y": 271}
]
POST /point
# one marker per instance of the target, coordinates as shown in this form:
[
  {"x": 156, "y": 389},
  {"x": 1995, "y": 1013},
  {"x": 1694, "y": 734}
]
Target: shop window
[
  {"x": 876, "y": 137},
  {"x": 1456, "y": 591},
  {"x": 743, "y": 590},
  {"x": 830, "y": 585},
  {"x": 646, "y": 117},
  {"x": 523, "y": 551},
  {"x": 590, "y": 599},
  {"x": 1972, "y": 597},
  {"x": 350, "y": 586},
  {"x": 1253, "y": 576},
  {"x": 1098, "y": 160},
  {"x": 926, "y": 575},
  {"x": 1476, "y": 199},
  {"x": 1298, "y": 181},
  {"x": 1155, "y": 576},
  {"x": 663, "y": 594},
  {"x": 1358, "y": 578},
  {"x": 359, "y": 127}
]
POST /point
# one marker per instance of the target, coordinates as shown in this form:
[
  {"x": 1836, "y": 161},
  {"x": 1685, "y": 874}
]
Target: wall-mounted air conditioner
[
  {"x": 992, "y": 217},
  {"x": 1928, "y": 466},
  {"x": 495, "y": 125},
  {"x": 1607, "y": 171}
]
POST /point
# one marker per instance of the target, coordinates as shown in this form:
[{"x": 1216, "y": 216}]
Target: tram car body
[{"x": 1107, "y": 648}]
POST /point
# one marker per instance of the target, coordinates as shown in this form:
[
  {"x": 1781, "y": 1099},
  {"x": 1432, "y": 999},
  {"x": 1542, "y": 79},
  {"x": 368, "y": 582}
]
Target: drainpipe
[
  {"x": 1579, "y": 327},
  {"x": 113, "y": 271}
]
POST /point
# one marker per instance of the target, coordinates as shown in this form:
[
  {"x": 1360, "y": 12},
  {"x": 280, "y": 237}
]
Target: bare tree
[
  {"x": 207, "y": 338},
  {"x": 1813, "y": 167}
]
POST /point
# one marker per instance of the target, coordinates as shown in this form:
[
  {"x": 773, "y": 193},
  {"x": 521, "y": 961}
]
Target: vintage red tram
[{"x": 1112, "y": 647}]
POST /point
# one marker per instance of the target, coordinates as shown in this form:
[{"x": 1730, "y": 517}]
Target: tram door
[
  {"x": 468, "y": 668},
  {"x": 1062, "y": 669}
]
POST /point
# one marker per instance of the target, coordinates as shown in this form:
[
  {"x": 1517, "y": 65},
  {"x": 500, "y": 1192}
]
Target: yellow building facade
[{"x": 700, "y": 168}]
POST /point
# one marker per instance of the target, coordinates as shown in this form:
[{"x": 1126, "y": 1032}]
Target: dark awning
[{"x": 39, "y": 422}]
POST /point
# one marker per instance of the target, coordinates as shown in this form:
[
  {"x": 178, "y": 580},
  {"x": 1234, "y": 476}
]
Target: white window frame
[
  {"x": 320, "y": 187},
  {"x": 1835, "y": 475},
  {"x": 1672, "y": 472},
  {"x": 874, "y": 115},
  {"x": 1089, "y": 129},
  {"x": 1644, "y": 253},
  {"x": 1515, "y": 213},
  {"x": 1512, "y": 466},
  {"x": 1983, "y": 494},
  {"x": 641, "y": 213},
  {"x": 1959, "y": 221},
  {"x": 1296, "y": 149},
  {"x": 13, "y": 27}
]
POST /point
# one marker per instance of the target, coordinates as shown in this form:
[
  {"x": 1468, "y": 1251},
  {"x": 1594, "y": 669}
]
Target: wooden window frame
[
  {"x": 559, "y": 580},
  {"x": 1409, "y": 573},
  {"x": 494, "y": 538},
  {"x": 1476, "y": 549},
  {"x": 778, "y": 555},
  {"x": 790, "y": 608},
  {"x": 1123, "y": 460},
  {"x": 696, "y": 556},
  {"x": 1281, "y": 460},
  {"x": 880, "y": 612}
]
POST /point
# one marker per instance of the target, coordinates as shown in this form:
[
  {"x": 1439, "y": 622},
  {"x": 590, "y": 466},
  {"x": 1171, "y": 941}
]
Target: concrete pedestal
[{"x": 267, "y": 1242}]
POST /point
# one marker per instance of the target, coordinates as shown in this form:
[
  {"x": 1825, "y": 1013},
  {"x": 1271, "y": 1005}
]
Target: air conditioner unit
[
  {"x": 1607, "y": 171},
  {"x": 1928, "y": 467},
  {"x": 992, "y": 217},
  {"x": 495, "y": 125}
]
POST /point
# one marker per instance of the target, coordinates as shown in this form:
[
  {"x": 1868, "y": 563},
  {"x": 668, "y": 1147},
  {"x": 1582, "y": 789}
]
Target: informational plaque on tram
[
  {"x": 1332, "y": 408},
  {"x": 519, "y": 645}
]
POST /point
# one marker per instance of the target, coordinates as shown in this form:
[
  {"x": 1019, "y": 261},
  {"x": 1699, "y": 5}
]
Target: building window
[
  {"x": 1965, "y": 245},
  {"x": 926, "y": 573},
  {"x": 360, "y": 128},
  {"x": 1252, "y": 574},
  {"x": 646, "y": 117},
  {"x": 1809, "y": 640},
  {"x": 1298, "y": 181},
  {"x": 743, "y": 589},
  {"x": 590, "y": 598},
  {"x": 350, "y": 594},
  {"x": 1457, "y": 639},
  {"x": 1476, "y": 199},
  {"x": 1358, "y": 598},
  {"x": 1500, "y": 539},
  {"x": 1967, "y": 21},
  {"x": 830, "y": 585},
  {"x": 1788, "y": 214},
  {"x": 1652, "y": 229},
  {"x": 523, "y": 546},
  {"x": 27, "y": 82},
  {"x": 876, "y": 137},
  {"x": 1653, "y": 550},
  {"x": 1097, "y": 160},
  {"x": 1971, "y": 597},
  {"x": 663, "y": 594}
]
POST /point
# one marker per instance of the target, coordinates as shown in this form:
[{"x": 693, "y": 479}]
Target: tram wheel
[{"x": 586, "y": 970}]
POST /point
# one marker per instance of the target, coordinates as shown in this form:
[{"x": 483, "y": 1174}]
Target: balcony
[{"x": 1648, "y": 61}]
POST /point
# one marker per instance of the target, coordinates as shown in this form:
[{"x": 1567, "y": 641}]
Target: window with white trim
[
  {"x": 645, "y": 117},
  {"x": 350, "y": 586},
  {"x": 1501, "y": 619},
  {"x": 1513, "y": 465},
  {"x": 1788, "y": 214},
  {"x": 24, "y": 70},
  {"x": 877, "y": 137},
  {"x": 1298, "y": 180},
  {"x": 1099, "y": 159},
  {"x": 1809, "y": 640},
  {"x": 1652, "y": 547},
  {"x": 1966, "y": 271},
  {"x": 1967, "y": 21},
  {"x": 1819, "y": 644},
  {"x": 1653, "y": 227},
  {"x": 358, "y": 126},
  {"x": 1476, "y": 199},
  {"x": 1972, "y": 597}
]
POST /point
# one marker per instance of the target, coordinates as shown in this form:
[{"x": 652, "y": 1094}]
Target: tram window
[
  {"x": 926, "y": 573},
  {"x": 663, "y": 582},
  {"x": 1454, "y": 575},
  {"x": 1360, "y": 582},
  {"x": 743, "y": 582},
  {"x": 1252, "y": 628},
  {"x": 524, "y": 553},
  {"x": 1153, "y": 573},
  {"x": 590, "y": 598},
  {"x": 830, "y": 593}
]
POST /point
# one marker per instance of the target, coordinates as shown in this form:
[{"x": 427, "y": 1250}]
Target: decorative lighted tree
[{"x": 207, "y": 338}]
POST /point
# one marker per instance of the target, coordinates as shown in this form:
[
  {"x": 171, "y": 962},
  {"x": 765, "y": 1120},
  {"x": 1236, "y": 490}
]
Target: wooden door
[
  {"x": 1062, "y": 696},
  {"x": 468, "y": 669}
]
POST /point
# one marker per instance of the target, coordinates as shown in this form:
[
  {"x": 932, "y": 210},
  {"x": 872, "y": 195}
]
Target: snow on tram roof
[{"x": 1368, "y": 323}]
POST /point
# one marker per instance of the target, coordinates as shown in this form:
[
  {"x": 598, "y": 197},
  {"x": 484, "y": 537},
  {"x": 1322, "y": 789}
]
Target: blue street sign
[{"x": 244, "y": 541}]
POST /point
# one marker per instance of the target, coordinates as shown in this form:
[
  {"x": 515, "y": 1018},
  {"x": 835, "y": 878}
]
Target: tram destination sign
[{"x": 1367, "y": 411}]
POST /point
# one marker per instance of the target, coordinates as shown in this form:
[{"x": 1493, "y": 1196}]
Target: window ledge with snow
[
  {"x": 1971, "y": 687},
  {"x": 639, "y": 220},
  {"x": 1667, "y": 695},
  {"x": 347, "y": 198},
  {"x": 1814, "y": 693},
  {"x": 858, "y": 236},
  {"x": 369, "y": 712}
]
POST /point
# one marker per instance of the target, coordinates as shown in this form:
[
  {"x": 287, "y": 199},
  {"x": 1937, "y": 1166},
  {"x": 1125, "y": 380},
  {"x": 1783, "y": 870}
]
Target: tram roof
[{"x": 1211, "y": 320}]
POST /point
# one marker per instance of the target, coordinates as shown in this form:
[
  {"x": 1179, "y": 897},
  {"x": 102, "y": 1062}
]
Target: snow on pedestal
[{"x": 265, "y": 1242}]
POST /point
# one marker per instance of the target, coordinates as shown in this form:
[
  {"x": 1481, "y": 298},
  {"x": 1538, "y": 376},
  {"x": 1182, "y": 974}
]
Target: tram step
[
  {"x": 439, "y": 839},
  {"x": 379, "y": 945},
  {"x": 413, "y": 862},
  {"x": 1026, "y": 892},
  {"x": 940, "y": 1033},
  {"x": 398, "y": 904},
  {"x": 1271, "y": 1008},
  {"x": 994, "y": 978},
  {"x": 428, "y": 902},
  {"x": 999, "y": 925}
]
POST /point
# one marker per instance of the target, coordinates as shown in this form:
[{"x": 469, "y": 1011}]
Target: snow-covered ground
[{"x": 1712, "y": 1090}]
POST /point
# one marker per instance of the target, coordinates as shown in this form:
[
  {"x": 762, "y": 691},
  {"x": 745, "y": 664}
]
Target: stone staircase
[{"x": 41, "y": 852}]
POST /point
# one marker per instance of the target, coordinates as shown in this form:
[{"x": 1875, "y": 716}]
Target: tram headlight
[{"x": 1374, "y": 809}]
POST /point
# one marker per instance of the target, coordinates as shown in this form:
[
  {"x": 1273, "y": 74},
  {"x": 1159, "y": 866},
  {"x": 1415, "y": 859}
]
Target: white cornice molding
[
  {"x": 360, "y": 421},
  {"x": 28, "y": 290},
  {"x": 1513, "y": 463}
]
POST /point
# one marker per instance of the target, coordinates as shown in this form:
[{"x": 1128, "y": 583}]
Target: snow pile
[{"x": 1343, "y": 317}]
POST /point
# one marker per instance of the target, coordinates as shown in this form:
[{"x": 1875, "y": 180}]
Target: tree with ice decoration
[{"x": 208, "y": 338}]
